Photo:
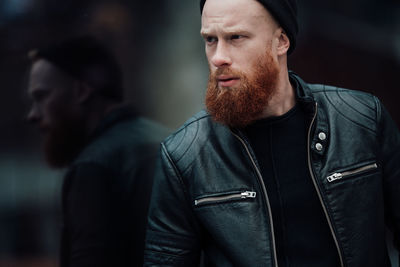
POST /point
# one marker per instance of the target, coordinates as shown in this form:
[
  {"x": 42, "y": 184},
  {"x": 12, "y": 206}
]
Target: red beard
[{"x": 239, "y": 107}]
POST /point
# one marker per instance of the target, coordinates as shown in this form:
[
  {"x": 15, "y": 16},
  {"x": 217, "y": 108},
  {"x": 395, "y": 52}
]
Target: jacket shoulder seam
[
  {"x": 174, "y": 141},
  {"x": 189, "y": 123},
  {"x": 176, "y": 171},
  {"x": 350, "y": 93}
]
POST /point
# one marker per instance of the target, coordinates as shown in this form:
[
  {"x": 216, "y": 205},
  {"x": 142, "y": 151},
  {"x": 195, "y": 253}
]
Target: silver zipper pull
[
  {"x": 334, "y": 177},
  {"x": 249, "y": 194}
]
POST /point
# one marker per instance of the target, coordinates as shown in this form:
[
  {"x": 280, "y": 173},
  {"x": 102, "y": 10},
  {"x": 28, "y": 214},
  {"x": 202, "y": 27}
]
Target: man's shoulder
[
  {"x": 333, "y": 95},
  {"x": 142, "y": 130},
  {"x": 194, "y": 134},
  {"x": 336, "y": 97},
  {"x": 329, "y": 92},
  {"x": 357, "y": 107},
  {"x": 194, "y": 128},
  {"x": 135, "y": 139}
]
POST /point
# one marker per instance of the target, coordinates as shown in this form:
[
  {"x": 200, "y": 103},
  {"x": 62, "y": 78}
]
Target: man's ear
[
  {"x": 83, "y": 92},
  {"x": 283, "y": 43}
]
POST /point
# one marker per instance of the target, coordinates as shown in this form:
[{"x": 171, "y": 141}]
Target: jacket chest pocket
[
  {"x": 352, "y": 172},
  {"x": 224, "y": 197}
]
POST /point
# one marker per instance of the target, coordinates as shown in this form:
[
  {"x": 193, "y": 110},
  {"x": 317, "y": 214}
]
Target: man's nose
[
  {"x": 33, "y": 115},
  {"x": 221, "y": 56}
]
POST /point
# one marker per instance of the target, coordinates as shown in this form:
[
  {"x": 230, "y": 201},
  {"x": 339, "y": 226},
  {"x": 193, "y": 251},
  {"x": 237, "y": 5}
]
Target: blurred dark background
[{"x": 353, "y": 44}]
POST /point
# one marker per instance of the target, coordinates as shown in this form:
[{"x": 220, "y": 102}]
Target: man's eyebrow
[
  {"x": 205, "y": 33},
  {"x": 236, "y": 32}
]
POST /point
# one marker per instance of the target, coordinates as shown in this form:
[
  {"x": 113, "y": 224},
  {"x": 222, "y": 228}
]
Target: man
[
  {"x": 278, "y": 172},
  {"x": 76, "y": 88}
]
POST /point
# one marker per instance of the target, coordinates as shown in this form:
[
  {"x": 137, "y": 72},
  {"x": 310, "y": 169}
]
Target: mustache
[{"x": 225, "y": 71}]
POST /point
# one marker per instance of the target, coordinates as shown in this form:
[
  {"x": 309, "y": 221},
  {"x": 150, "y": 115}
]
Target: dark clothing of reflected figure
[{"x": 106, "y": 193}]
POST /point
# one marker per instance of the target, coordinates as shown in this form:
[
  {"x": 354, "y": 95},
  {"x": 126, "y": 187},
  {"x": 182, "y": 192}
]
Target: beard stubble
[{"x": 240, "y": 106}]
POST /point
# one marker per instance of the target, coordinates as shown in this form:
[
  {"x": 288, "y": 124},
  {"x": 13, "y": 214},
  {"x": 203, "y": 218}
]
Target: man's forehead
[
  {"x": 45, "y": 69},
  {"x": 231, "y": 20},
  {"x": 45, "y": 75},
  {"x": 232, "y": 12}
]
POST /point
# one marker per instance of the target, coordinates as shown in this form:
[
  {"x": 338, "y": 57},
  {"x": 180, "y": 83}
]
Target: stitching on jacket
[
  {"x": 188, "y": 123},
  {"x": 378, "y": 110},
  {"x": 180, "y": 141},
  {"x": 322, "y": 88},
  {"x": 179, "y": 131},
  {"x": 344, "y": 116},
  {"x": 362, "y": 103},
  {"x": 191, "y": 142},
  {"x": 355, "y": 110},
  {"x": 179, "y": 177},
  {"x": 379, "y": 120}
]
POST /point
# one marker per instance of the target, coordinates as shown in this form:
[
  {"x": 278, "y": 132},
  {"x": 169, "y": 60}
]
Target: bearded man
[
  {"x": 76, "y": 89},
  {"x": 277, "y": 172}
]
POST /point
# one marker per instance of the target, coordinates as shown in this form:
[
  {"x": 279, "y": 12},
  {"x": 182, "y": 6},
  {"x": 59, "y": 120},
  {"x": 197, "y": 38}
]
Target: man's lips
[{"x": 227, "y": 80}]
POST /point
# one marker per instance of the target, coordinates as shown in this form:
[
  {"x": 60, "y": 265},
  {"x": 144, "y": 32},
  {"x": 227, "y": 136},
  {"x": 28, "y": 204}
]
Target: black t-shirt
[{"x": 302, "y": 233}]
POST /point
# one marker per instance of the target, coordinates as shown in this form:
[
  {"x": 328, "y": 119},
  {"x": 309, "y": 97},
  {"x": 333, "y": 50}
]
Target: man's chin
[{"x": 228, "y": 88}]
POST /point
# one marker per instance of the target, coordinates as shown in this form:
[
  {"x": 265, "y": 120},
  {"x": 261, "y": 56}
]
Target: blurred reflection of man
[
  {"x": 76, "y": 88},
  {"x": 278, "y": 172}
]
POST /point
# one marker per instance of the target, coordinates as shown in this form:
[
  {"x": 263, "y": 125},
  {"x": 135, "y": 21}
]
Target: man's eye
[
  {"x": 210, "y": 39},
  {"x": 236, "y": 36}
]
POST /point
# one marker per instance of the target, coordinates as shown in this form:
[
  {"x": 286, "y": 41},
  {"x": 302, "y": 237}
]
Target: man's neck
[
  {"x": 95, "y": 115},
  {"x": 283, "y": 99}
]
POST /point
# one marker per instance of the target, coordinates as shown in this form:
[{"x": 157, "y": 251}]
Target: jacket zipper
[
  {"x": 242, "y": 195},
  {"x": 316, "y": 186},
  {"x": 339, "y": 175},
  {"x": 265, "y": 194}
]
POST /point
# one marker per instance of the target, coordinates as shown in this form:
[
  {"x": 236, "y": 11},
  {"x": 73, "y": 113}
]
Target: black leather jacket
[
  {"x": 106, "y": 192},
  {"x": 209, "y": 194}
]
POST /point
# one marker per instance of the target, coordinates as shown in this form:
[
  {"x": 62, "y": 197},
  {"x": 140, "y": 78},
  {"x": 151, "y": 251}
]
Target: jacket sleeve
[
  {"x": 171, "y": 236},
  {"x": 389, "y": 137}
]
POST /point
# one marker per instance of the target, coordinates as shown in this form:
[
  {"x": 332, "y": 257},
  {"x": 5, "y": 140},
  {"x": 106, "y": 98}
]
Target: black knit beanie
[
  {"x": 79, "y": 56},
  {"x": 285, "y": 13}
]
